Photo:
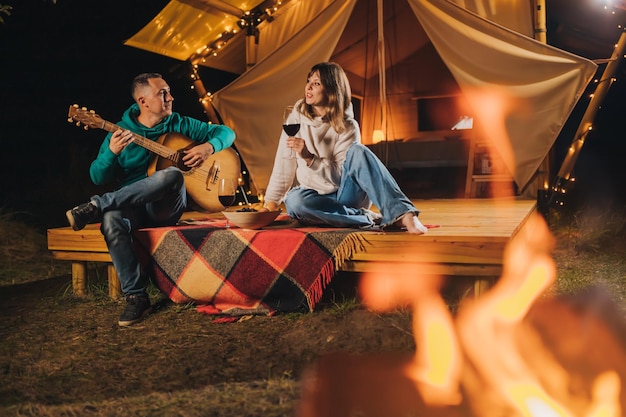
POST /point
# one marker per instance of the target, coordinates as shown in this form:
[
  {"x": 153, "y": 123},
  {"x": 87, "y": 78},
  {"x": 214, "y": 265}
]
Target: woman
[{"x": 337, "y": 178}]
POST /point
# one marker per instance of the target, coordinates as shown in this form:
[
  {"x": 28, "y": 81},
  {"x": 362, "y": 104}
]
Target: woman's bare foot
[{"x": 412, "y": 224}]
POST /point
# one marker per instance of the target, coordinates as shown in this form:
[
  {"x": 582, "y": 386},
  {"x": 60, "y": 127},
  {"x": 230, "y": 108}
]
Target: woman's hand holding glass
[{"x": 296, "y": 145}]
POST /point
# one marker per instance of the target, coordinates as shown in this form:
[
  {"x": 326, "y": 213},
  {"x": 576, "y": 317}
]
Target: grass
[
  {"x": 590, "y": 251},
  {"x": 24, "y": 254},
  {"x": 262, "y": 398}
]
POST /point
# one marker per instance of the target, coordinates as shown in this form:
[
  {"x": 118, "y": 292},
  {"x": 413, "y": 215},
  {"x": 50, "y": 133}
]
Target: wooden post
[
  {"x": 79, "y": 273},
  {"x": 542, "y": 176},
  {"x": 203, "y": 95},
  {"x": 115, "y": 288},
  {"x": 586, "y": 122}
]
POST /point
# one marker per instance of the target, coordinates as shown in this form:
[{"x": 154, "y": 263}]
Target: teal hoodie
[{"x": 132, "y": 163}]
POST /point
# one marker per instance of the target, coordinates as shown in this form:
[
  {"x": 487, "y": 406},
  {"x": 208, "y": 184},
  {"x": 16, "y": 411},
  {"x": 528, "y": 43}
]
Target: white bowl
[{"x": 250, "y": 219}]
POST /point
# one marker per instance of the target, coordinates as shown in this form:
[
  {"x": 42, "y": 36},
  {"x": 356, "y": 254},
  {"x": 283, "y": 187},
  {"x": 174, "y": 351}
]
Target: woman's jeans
[
  {"x": 364, "y": 180},
  {"x": 158, "y": 200}
]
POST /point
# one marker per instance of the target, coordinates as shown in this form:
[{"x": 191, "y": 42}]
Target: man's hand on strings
[
  {"x": 119, "y": 140},
  {"x": 195, "y": 157}
]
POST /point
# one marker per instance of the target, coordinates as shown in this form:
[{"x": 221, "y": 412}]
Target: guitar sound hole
[{"x": 180, "y": 163}]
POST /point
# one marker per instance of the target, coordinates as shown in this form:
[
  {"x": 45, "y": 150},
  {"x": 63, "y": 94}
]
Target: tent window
[{"x": 440, "y": 113}]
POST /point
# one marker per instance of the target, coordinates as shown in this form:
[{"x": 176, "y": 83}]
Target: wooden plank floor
[
  {"x": 469, "y": 240},
  {"x": 489, "y": 219}
]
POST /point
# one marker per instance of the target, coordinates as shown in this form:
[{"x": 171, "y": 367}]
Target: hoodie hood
[{"x": 129, "y": 121}]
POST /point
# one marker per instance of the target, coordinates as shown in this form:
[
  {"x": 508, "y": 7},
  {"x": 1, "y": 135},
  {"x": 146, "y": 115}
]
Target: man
[{"x": 140, "y": 200}]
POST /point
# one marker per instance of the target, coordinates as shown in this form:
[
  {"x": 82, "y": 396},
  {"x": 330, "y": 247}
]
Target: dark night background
[{"x": 55, "y": 55}]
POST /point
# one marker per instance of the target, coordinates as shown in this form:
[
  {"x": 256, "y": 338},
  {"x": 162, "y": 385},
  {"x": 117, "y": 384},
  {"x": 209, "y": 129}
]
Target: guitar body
[{"x": 201, "y": 182}]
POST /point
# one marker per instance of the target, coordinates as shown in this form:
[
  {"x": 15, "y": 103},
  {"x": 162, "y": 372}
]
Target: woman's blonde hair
[{"x": 338, "y": 94}]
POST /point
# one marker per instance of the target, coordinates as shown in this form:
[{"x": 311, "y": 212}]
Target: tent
[{"x": 518, "y": 90}]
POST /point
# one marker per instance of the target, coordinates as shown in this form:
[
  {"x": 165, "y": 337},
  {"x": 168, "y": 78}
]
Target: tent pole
[
  {"x": 382, "y": 79},
  {"x": 586, "y": 123},
  {"x": 251, "y": 19},
  {"x": 540, "y": 21},
  {"x": 251, "y": 50},
  {"x": 203, "y": 95},
  {"x": 542, "y": 176}
]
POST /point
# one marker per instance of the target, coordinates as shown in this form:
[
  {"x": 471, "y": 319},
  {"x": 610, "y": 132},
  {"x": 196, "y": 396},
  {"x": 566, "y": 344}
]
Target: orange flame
[
  {"x": 473, "y": 364},
  {"x": 436, "y": 366}
]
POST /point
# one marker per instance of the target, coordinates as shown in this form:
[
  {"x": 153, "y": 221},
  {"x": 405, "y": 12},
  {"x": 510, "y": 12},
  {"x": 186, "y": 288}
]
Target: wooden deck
[{"x": 469, "y": 241}]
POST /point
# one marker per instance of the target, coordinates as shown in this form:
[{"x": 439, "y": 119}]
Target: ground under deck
[{"x": 469, "y": 241}]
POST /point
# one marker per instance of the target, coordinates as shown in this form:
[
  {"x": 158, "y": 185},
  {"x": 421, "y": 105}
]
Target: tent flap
[{"x": 521, "y": 91}]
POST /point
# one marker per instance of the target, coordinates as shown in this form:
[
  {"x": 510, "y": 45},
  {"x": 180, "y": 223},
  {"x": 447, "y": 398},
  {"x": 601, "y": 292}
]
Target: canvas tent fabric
[
  {"x": 432, "y": 47},
  {"x": 185, "y": 27},
  {"x": 535, "y": 86}
]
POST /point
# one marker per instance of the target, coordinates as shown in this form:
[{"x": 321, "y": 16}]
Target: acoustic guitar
[{"x": 201, "y": 181}]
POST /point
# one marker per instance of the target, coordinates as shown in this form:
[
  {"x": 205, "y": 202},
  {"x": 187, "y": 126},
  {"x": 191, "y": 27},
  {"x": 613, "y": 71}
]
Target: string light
[
  {"x": 213, "y": 47},
  {"x": 249, "y": 22}
]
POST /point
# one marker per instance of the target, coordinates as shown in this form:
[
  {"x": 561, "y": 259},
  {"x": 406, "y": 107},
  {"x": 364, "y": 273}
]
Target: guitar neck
[{"x": 145, "y": 143}]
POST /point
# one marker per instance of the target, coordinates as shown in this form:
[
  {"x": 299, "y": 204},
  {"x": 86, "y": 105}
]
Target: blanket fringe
[{"x": 351, "y": 244}]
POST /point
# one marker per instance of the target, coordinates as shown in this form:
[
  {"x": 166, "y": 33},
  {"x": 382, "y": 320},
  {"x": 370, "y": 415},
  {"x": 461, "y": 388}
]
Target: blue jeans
[
  {"x": 364, "y": 180},
  {"x": 158, "y": 200}
]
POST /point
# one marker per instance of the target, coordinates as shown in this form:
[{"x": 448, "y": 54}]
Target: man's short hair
[{"x": 142, "y": 80}]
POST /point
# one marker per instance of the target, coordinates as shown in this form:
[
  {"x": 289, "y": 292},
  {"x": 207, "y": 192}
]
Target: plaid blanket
[{"x": 234, "y": 272}]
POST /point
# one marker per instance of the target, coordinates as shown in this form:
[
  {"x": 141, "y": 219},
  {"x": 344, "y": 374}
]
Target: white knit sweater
[{"x": 329, "y": 149}]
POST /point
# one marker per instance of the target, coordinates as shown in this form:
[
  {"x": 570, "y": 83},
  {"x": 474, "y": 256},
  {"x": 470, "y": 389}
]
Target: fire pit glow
[
  {"x": 512, "y": 352},
  {"x": 489, "y": 360}
]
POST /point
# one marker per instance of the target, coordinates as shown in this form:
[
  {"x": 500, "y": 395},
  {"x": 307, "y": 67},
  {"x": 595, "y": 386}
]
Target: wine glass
[
  {"x": 291, "y": 127},
  {"x": 226, "y": 193}
]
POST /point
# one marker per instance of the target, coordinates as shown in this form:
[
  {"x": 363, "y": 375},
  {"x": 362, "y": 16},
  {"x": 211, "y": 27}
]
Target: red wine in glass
[
  {"x": 226, "y": 194},
  {"x": 226, "y": 200},
  {"x": 291, "y": 129}
]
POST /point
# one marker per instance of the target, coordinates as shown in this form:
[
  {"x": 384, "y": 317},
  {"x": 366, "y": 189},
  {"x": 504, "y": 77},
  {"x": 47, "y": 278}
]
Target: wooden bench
[
  {"x": 469, "y": 243},
  {"x": 81, "y": 247}
]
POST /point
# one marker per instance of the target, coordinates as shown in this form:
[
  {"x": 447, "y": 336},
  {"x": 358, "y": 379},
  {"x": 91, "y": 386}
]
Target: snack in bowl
[{"x": 250, "y": 218}]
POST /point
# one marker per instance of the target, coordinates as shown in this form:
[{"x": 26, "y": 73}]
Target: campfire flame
[{"x": 499, "y": 356}]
